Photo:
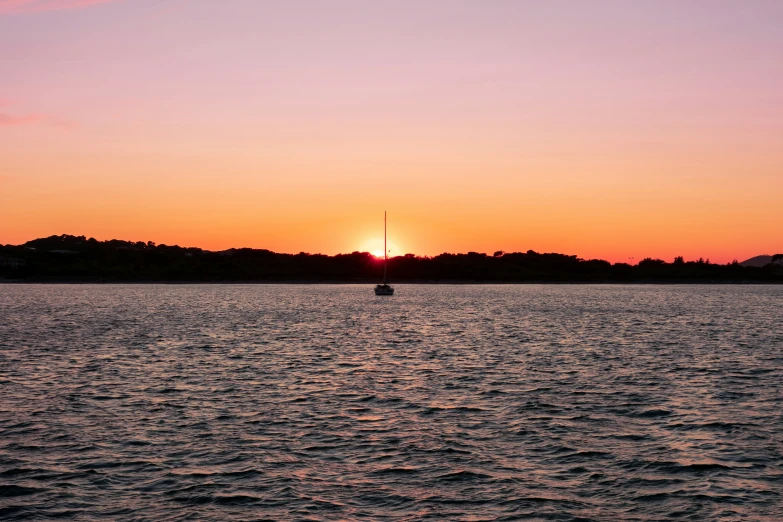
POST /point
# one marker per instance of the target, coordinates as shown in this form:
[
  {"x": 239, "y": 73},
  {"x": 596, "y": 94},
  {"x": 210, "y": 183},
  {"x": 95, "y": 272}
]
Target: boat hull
[{"x": 384, "y": 290}]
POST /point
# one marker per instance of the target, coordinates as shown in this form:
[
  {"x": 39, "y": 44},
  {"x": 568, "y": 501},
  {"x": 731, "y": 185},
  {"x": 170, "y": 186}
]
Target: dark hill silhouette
[
  {"x": 76, "y": 258},
  {"x": 763, "y": 260}
]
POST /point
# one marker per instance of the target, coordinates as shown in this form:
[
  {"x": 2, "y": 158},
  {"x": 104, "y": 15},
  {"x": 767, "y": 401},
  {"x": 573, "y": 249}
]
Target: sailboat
[{"x": 384, "y": 288}]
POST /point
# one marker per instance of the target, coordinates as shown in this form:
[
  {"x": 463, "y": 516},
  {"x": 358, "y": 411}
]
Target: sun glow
[{"x": 375, "y": 247}]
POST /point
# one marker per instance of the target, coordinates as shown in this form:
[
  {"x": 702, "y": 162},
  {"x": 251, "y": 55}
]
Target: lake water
[{"x": 325, "y": 402}]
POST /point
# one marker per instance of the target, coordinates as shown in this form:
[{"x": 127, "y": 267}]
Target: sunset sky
[{"x": 607, "y": 129}]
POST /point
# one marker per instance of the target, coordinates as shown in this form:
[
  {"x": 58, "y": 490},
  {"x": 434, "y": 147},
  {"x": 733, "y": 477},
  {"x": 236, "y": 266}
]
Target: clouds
[
  {"x": 14, "y": 119},
  {"x": 37, "y": 6},
  {"x": 9, "y": 120}
]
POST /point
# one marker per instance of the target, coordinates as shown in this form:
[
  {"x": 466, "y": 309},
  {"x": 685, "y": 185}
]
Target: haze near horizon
[{"x": 607, "y": 129}]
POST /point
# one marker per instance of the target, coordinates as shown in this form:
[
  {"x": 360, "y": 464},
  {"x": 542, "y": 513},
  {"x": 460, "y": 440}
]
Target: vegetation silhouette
[{"x": 68, "y": 258}]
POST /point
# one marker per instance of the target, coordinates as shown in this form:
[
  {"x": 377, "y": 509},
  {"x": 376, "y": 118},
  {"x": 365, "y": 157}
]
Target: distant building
[{"x": 11, "y": 262}]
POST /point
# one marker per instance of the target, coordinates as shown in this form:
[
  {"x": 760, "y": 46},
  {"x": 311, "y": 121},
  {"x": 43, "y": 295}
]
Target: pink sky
[{"x": 606, "y": 129}]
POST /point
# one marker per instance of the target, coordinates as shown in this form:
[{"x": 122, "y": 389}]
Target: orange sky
[{"x": 615, "y": 130}]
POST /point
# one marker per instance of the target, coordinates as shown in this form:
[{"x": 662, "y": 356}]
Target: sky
[{"x": 605, "y": 129}]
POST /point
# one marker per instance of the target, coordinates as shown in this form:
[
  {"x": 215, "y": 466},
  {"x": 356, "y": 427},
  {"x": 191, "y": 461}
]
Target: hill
[{"x": 763, "y": 260}]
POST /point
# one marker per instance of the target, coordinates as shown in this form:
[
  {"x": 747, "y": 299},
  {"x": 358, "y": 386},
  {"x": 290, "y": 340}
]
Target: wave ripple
[{"x": 274, "y": 402}]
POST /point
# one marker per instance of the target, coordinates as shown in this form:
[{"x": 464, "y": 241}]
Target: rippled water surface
[{"x": 231, "y": 402}]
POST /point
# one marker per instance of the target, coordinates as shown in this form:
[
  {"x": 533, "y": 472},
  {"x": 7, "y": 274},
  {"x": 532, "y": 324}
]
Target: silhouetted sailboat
[{"x": 384, "y": 288}]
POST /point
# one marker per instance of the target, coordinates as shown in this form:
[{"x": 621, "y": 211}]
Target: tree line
[{"x": 68, "y": 258}]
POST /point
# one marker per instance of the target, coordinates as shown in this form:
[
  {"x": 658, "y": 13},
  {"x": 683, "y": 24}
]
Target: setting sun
[{"x": 375, "y": 247}]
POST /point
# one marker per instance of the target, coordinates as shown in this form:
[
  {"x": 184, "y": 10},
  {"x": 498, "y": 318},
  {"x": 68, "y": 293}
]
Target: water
[{"x": 232, "y": 402}]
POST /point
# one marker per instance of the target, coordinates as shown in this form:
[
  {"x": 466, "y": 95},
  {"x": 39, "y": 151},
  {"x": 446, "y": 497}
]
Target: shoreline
[{"x": 372, "y": 283}]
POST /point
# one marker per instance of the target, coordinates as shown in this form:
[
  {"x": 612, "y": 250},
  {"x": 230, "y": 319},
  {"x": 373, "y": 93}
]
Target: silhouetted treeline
[{"x": 71, "y": 258}]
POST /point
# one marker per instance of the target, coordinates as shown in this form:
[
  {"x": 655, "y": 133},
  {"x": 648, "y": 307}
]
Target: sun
[{"x": 375, "y": 247}]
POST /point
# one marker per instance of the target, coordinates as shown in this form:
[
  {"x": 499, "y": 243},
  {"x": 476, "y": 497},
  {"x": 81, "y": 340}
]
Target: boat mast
[{"x": 384, "y": 247}]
